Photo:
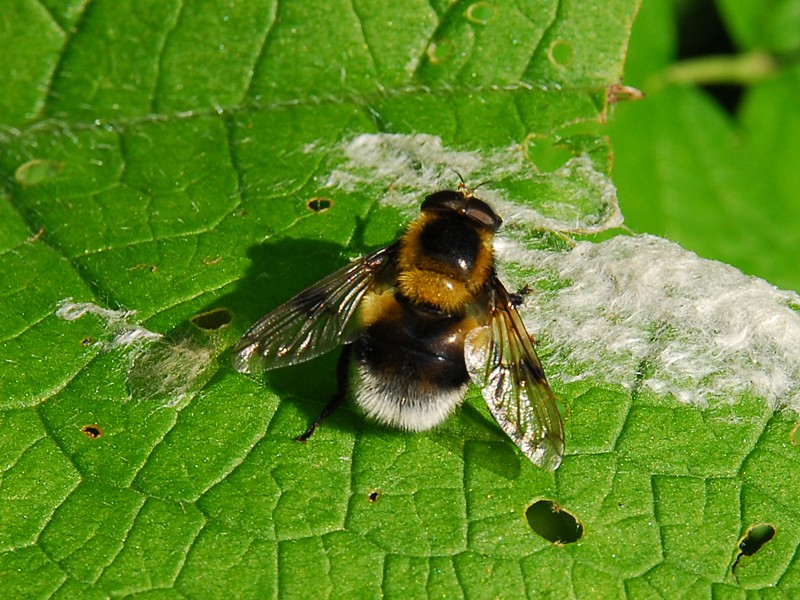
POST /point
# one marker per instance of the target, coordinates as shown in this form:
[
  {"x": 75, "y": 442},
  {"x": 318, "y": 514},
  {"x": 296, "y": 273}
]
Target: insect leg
[
  {"x": 342, "y": 372},
  {"x": 518, "y": 297}
]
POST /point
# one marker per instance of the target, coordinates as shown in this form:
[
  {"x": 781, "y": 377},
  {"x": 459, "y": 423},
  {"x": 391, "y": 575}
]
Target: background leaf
[
  {"x": 722, "y": 183},
  {"x": 159, "y": 157}
]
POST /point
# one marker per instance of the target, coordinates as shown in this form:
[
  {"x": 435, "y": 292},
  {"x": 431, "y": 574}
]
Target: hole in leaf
[
  {"x": 553, "y": 523},
  {"x": 480, "y": 13},
  {"x": 36, "y": 171},
  {"x": 319, "y": 204},
  {"x": 213, "y": 319},
  {"x": 92, "y": 431},
  {"x": 755, "y": 538},
  {"x": 87, "y": 341},
  {"x": 752, "y": 541},
  {"x": 560, "y": 53},
  {"x": 373, "y": 496},
  {"x": 546, "y": 153},
  {"x": 793, "y": 434},
  {"x": 440, "y": 51}
]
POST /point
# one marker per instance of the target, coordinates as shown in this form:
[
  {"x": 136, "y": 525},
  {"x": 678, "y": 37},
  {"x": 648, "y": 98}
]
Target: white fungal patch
[
  {"x": 694, "y": 328},
  {"x": 404, "y": 165},
  {"x": 116, "y": 321},
  {"x": 172, "y": 369},
  {"x": 403, "y": 169}
]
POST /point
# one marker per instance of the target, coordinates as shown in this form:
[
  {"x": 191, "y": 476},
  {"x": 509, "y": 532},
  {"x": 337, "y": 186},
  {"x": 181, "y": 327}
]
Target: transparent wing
[
  {"x": 502, "y": 362},
  {"x": 314, "y": 322}
]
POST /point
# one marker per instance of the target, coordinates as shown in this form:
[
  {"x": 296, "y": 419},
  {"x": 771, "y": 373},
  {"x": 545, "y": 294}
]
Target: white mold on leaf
[
  {"x": 116, "y": 321},
  {"x": 701, "y": 329},
  {"x": 403, "y": 169},
  {"x": 158, "y": 367}
]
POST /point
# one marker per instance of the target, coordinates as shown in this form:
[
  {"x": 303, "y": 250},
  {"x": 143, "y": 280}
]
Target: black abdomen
[{"x": 409, "y": 365}]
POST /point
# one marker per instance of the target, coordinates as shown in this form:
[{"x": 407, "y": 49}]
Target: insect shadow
[
  {"x": 195, "y": 352},
  {"x": 278, "y": 271},
  {"x": 478, "y": 438}
]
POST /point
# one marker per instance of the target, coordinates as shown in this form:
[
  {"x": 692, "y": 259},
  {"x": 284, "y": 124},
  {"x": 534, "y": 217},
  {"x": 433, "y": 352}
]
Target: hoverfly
[{"x": 418, "y": 320}]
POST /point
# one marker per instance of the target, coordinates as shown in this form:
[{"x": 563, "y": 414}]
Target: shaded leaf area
[{"x": 163, "y": 160}]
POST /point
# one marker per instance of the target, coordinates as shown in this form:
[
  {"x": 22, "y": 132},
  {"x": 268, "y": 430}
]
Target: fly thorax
[
  {"x": 451, "y": 245},
  {"x": 434, "y": 289},
  {"x": 444, "y": 261}
]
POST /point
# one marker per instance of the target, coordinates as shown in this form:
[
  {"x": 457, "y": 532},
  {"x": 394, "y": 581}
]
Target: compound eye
[
  {"x": 450, "y": 200},
  {"x": 479, "y": 211}
]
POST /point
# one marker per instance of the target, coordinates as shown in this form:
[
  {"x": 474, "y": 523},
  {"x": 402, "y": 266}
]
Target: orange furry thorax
[{"x": 424, "y": 279}]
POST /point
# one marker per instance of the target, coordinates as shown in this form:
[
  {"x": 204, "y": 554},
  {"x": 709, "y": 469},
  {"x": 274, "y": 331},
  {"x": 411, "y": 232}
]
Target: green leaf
[
  {"x": 722, "y": 185},
  {"x": 161, "y": 165},
  {"x": 754, "y": 24}
]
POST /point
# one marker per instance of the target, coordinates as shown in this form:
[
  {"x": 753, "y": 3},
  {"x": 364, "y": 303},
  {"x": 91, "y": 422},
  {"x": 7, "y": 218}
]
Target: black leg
[
  {"x": 342, "y": 373},
  {"x": 519, "y": 297}
]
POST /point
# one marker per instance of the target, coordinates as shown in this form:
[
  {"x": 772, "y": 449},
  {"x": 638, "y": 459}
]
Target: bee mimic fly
[{"x": 419, "y": 320}]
